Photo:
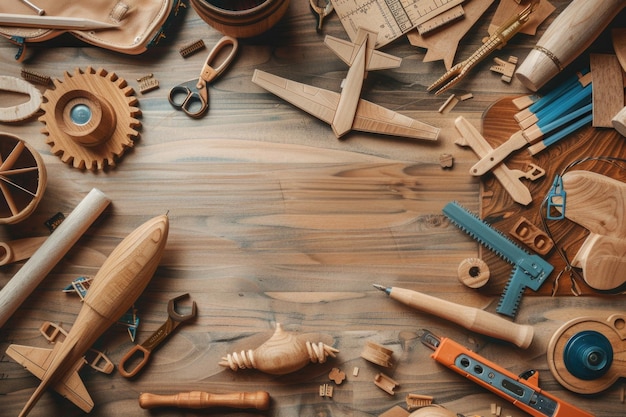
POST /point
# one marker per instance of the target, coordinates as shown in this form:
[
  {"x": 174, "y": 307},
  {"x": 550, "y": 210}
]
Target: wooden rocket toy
[{"x": 119, "y": 282}]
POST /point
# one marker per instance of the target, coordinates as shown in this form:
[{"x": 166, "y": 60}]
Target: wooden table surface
[{"x": 274, "y": 220}]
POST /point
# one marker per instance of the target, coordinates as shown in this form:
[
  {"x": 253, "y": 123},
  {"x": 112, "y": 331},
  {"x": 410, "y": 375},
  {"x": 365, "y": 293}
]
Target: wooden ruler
[{"x": 390, "y": 18}]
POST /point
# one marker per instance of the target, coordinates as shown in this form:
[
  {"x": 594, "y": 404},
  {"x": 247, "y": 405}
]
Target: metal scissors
[
  {"x": 192, "y": 96},
  {"x": 143, "y": 350}
]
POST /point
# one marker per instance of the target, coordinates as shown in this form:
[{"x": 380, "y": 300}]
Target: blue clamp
[{"x": 556, "y": 199}]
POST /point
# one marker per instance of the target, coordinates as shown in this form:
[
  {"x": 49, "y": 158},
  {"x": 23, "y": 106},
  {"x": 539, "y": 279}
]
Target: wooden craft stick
[
  {"x": 551, "y": 96},
  {"x": 565, "y": 103},
  {"x": 555, "y": 137},
  {"x": 538, "y": 130},
  {"x": 52, "y": 22},
  {"x": 566, "y": 38},
  {"x": 608, "y": 88},
  {"x": 50, "y": 253}
]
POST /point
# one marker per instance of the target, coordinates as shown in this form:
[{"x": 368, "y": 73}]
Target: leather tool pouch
[{"x": 141, "y": 23}]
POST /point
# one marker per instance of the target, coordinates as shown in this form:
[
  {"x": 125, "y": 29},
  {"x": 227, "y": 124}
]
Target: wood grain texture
[{"x": 274, "y": 220}]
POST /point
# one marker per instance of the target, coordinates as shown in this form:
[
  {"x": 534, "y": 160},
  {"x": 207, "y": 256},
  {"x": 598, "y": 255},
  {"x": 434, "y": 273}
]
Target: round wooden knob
[{"x": 89, "y": 120}]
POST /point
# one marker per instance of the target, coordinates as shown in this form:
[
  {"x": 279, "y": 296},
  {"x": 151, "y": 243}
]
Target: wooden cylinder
[
  {"x": 241, "y": 18},
  {"x": 50, "y": 253},
  {"x": 259, "y": 400},
  {"x": 566, "y": 38}
]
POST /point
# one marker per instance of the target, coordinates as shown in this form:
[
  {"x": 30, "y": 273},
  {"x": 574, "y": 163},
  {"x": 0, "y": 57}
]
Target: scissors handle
[
  {"x": 135, "y": 351},
  {"x": 208, "y": 72},
  {"x": 191, "y": 102}
]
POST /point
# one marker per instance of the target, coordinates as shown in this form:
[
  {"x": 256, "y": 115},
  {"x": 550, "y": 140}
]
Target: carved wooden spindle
[{"x": 281, "y": 354}]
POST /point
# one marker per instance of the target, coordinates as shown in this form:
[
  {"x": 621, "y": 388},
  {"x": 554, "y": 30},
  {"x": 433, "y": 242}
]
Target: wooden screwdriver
[{"x": 259, "y": 400}]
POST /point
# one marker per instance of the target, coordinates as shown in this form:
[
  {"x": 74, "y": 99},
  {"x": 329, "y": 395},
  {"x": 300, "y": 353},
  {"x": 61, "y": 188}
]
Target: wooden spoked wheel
[{"x": 23, "y": 179}]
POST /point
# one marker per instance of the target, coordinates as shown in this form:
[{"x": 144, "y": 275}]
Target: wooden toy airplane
[
  {"x": 119, "y": 282},
  {"x": 346, "y": 111}
]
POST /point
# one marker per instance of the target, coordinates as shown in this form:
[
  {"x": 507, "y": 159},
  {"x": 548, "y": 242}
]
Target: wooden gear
[
  {"x": 23, "y": 179},
  {"x": 588, "y": 354},
  {"x": 90, "y": 118}
]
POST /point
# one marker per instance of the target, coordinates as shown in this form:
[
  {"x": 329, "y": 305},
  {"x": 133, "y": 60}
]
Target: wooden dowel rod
[
  {"x": 50, "y": 253},
  {"x": 259, "y": 400}
]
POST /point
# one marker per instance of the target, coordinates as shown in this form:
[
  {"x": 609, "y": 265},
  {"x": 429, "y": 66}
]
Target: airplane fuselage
[{"x": 119, "y": 282}]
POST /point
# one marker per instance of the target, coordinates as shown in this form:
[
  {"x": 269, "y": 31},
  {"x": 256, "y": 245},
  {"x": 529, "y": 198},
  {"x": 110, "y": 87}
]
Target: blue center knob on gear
[
  {"x": 588, "y": 355},
  {"x": 80, "y": 114}
]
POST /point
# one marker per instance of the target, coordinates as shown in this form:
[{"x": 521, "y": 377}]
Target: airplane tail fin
[
  {"x": 347, "y": 51},
  {"x": 36, "y": 361}
]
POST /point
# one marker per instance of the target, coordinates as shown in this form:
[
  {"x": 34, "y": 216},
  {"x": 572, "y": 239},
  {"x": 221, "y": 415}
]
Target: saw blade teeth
[{"x": 505, "y": 306}]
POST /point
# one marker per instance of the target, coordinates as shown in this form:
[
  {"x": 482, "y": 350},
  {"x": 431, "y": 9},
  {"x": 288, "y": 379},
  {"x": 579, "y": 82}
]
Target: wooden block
[
  {"x": 608, "y": 88},
  {"x": 385, "y": 383}
]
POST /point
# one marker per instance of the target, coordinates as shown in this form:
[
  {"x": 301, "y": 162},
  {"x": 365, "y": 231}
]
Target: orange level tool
[{"x": 522, "y": 391}]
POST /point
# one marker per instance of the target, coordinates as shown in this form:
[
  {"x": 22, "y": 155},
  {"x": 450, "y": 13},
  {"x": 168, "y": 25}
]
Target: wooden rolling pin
[
  {"x": 50, "y": 253},
  {"x": 566, "y": 38},
  {"x": 471, "y": 318},
  {"x": 259, "y": 400}
]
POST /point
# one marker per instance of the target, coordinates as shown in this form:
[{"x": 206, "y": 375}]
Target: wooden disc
[
  {"x": 473, "y": 272},
  {"x": 613, "y": 328}
]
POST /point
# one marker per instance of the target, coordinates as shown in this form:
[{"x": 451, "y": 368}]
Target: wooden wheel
[{"x": 22, "y": 179}]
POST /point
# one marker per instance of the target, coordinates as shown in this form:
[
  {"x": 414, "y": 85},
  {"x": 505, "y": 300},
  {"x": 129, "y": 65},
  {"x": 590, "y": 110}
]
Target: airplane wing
[
  {"x": 313, "y": 100},
  {"x": 322, "y": 104},
  {"x": 347, "y": 51},
  {"x": 36, "y": 361},
  {"x": 373, "y": 118}
]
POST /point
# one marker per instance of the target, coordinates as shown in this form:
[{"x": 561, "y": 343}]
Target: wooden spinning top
[
  {"x": 588, "y": 354},
  {"x": 23, "y": 179},
  {"x": 90, "y": 118},
  {"x": 281, "y": 354}
]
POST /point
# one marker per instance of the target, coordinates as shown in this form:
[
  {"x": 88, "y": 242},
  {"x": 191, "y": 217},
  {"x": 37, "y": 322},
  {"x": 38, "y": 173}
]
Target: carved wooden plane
[
  {"x": 116, "y": 286},
  {"x": 346, "y": 111}
]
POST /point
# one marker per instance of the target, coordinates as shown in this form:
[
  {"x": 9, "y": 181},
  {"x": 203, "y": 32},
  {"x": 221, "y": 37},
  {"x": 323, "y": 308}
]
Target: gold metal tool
[
  {"x": 496, "y": 41},
  {"x": 142, "y": 352}
]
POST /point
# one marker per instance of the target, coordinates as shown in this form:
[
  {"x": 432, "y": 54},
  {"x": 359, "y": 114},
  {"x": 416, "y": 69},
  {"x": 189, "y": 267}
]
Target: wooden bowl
[
  {"x": 241, "y": 18},
  {"x": 23, "y": 179}
]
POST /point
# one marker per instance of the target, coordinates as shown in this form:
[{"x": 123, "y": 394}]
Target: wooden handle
[
  {"x": 566, "y": 38},
  {"x": 50, "y": 253},
  {"x": 19, "y": 249},
  {"x": 471, "y": 318},
  {"x": 259, "y": 400}
]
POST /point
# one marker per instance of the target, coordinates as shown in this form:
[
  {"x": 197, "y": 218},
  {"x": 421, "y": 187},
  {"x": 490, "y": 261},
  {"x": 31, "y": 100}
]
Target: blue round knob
[
  {"x": 80, "y": 114},
  {"x": 588, "y": 355}
]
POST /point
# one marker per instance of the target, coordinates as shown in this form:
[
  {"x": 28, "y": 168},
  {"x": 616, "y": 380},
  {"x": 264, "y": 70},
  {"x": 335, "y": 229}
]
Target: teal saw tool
[{"x": 529, "y": 271}]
